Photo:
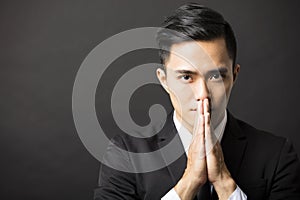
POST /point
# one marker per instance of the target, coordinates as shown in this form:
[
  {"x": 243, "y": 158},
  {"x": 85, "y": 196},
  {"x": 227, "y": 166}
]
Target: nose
[{"x": 201, "y": 90}]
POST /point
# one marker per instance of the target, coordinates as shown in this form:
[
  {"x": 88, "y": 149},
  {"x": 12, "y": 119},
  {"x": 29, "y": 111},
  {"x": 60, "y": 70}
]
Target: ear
[
  {"x": 162, "y": 77},
  {"x": 236, "y": 72}
]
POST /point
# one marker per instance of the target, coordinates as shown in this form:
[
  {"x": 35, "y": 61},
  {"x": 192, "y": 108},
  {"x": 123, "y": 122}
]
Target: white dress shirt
[{"x": 186, "y": 139}]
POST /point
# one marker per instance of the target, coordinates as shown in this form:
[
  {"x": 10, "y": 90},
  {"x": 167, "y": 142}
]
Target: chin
[{"x": 216, "y": 118}]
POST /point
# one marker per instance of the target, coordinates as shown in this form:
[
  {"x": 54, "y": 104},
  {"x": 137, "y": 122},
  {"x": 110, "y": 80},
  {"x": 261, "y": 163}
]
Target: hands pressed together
[{"x": 205, "y": 160}]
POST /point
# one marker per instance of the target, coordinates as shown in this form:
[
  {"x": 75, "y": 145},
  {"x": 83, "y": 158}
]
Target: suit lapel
[
  {"x": 172, "y": 150},
  {"x": 233, "y": 144}
]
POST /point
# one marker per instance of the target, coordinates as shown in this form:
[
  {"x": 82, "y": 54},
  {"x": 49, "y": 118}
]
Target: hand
[
  {"x": 205, "y": 160},
  {"x": 195, "y": 174},
  {"x": 217, "y": 171}
]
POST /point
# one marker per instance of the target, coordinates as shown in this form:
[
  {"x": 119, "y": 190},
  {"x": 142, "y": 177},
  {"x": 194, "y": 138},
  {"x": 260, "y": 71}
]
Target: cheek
[
  {"x": 219, "y": 104},
  {"x": 181, "y": 93},
  {"x": 219, "y": 95},
  {"x": 184, "y": 97},
  {"x": 179, "y": 98},
  {"x": 228, "y": 88}
]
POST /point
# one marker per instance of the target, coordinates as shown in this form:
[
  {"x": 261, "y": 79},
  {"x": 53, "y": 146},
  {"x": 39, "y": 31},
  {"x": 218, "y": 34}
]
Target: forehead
[{"x": 199, "y": 55}]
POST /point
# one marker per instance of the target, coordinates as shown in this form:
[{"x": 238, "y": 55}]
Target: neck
[{"x": 190, "y": 127}]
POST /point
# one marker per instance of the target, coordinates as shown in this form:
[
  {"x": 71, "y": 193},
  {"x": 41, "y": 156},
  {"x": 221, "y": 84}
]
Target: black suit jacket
[{"x": 264, "y": 166}]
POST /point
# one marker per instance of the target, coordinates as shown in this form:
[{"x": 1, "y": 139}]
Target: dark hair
[{"x": 194, "y": 22}]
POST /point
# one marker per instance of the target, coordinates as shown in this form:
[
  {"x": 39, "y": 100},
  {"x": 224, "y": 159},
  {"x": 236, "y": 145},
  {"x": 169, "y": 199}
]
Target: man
[{"x": 224, "y": 157}]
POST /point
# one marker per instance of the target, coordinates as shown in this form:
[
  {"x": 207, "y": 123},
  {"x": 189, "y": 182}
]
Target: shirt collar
[{"x": 186, "y": 136}]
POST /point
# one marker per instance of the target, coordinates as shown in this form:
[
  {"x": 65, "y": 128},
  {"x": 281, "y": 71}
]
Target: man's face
[{"x": 196, "y": 70}]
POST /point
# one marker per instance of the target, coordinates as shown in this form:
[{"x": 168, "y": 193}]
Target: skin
[{"x": 198, "y": 77}]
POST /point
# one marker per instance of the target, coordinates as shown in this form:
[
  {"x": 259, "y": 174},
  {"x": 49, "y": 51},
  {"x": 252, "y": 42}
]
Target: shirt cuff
[
  {"x": 171, "y": 195},
  {"x": 238, "y": 194}
]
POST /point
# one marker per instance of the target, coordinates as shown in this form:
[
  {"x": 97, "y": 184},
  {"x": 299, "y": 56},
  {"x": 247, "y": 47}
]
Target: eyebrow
[
  {"x": 185, "y": 72},
  {"x": 221, "y": 70}
]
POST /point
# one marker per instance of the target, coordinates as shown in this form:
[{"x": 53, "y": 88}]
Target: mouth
[{"x": 195, "y": 109}]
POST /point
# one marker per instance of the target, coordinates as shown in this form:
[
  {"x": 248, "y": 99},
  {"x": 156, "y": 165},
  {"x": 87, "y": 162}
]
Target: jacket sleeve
[
  {"x": 286, "y": 183},
  {"x": 116, "y": 180}
]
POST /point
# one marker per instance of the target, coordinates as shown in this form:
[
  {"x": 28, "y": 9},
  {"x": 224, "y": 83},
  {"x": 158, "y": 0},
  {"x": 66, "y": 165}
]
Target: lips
[{"x": 195, "y": 109}]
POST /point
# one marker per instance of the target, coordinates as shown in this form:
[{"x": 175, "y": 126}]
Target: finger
[
  {"x": 206, "y": 106},
  {"x": 197, "y": 146},
  {"x": 201, "y": 140},
  {"x": 198, "y": 140},
  {"x": 199, "y": 121},
  {"x": 198, "y": 133},
  {"x": 209, "y": 135},
  {"x": 200, "y": 107}
]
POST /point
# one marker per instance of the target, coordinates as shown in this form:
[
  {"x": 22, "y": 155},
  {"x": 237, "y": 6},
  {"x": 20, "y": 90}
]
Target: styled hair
[{"x": 193, "y": 21}]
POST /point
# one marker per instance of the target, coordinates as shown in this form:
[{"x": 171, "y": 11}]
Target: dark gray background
[{"x": 44, "y": 42}]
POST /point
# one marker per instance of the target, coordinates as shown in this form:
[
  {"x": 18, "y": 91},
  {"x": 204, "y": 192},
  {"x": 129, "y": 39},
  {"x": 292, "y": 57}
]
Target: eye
[
  {"x": 186, "y": 78},
  {"x": 216, "y": 77}
]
